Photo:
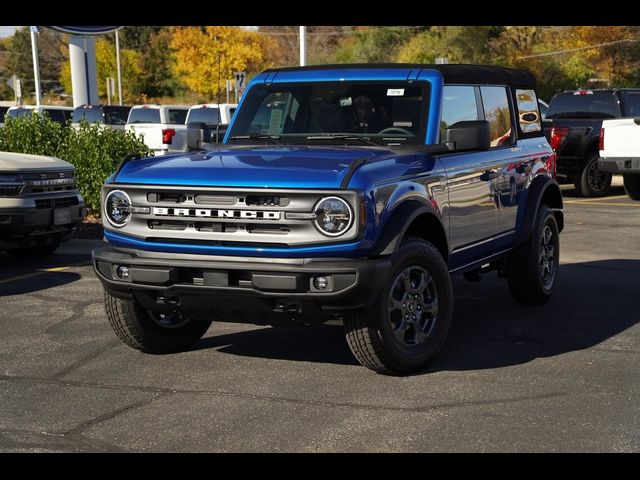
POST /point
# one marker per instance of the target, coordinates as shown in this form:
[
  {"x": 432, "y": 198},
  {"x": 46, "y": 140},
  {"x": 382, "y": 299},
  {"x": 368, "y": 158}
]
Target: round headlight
[
  {"x": 333, "y": 216},
  {"x": 117, "y": 207}
]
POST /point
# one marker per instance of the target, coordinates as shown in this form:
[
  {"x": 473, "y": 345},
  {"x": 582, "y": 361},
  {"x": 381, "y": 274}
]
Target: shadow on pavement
[
  {"x": 571, "y": 193},
  {"x": 19, "y": 276},
  {"x": 593, "y": 302}
]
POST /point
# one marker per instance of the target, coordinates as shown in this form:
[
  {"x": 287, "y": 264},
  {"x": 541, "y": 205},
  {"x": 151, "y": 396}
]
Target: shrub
[{"x": 95, "y": 151}]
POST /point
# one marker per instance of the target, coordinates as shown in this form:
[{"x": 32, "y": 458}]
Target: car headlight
[
  {"x": 11, "y": 184},
  {"x": 117, "y": 208},
  {"x": 333, "y": 216}
]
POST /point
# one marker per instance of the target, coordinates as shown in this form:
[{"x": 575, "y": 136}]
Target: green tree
[
  {"x": 19, "y": 60},
  {"x": 374, "y": 44}
]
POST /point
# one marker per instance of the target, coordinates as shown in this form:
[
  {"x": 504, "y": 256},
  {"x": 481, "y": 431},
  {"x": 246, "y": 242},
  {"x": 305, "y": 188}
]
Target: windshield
[
  {"x": 382, "y": 113},
  {"x": 592, "y": 105}
]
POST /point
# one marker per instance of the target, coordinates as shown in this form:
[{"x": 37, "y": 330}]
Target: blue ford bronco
[{"x": 345, "y": 193}]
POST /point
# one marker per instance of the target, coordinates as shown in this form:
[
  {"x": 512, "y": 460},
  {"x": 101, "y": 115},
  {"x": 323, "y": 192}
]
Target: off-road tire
[
  {"x": 369, "y": 333},
  {"x": 584, "y": 179},
  {"x": 135, "y": 327},
  {"x": 524, "y": 268},
  {"x": 632, "y": 186}
]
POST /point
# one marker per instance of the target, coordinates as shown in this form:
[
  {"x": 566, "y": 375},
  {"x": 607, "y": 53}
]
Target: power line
[
  {"x": 569, "y": 50},
  {"x": 338, "y": 32}
]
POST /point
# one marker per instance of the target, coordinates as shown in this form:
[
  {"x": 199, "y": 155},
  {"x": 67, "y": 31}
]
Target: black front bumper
[
  {"x": 28, "y": 226},
  {"x": 242, "y": 284}
]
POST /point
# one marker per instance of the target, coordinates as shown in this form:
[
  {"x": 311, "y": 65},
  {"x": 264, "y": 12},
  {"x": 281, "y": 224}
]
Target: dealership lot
[{"x": 561, "y": 377}]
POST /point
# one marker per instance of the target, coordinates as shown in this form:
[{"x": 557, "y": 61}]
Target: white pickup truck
[
  {"x": 162, "y": 126},
  {"x": 620, "y": 152}
]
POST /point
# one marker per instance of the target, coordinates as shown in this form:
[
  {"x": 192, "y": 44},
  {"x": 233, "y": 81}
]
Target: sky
[{"x": 7, "y": 31}]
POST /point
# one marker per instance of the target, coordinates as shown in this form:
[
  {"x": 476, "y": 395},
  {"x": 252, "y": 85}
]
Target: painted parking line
[
  {"x": 42, "y": 272},
  {"x": 615, "y": 197},
  {"x": 607, "y": 204}
]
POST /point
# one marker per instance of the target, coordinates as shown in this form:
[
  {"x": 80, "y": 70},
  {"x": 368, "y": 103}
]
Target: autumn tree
[
  {"x": 374, "y": 44},
  {"x": 205, "y": 57},
  {"x": 106, "y": 66}
]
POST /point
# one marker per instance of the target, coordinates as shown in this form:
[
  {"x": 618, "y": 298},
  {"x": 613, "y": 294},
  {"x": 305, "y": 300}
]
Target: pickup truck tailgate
[
  {"x": 621, "y": 138},
  {"x": 153, "y": 136}
]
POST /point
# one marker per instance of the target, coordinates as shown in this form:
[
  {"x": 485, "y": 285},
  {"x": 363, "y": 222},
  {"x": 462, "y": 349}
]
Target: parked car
[
  {"x": 112, "y": 116},
  {"x": 544, "y": 108},
  {"x": 620, "y": 151},
  {"x": 573, "y": 128},
  {"x": 162, "y": 127},
  {"x": 62, "y": 115},
  {"x": 348, "y": 193},
  {"x": 3, "y": 111},
  {"x": 40, "y": 205}
]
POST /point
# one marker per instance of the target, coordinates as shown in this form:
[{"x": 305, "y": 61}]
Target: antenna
[{"x": 218, "y": 100}]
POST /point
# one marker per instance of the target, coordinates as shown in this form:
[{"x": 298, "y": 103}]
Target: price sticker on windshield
[{"x": 395, "y": 92}]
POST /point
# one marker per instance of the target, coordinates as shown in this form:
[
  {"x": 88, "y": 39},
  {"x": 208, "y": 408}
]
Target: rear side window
[
  {"x": 177, "y": 117},
  {"x": 57, "y": 115},
  {"x": 3, "y": 111},
  {"x": 496, "y": 111},
  {"x": 91, "y": 115},
  {"x": 116, "y": 115},
  {"x": 528, "y": 116},
  {"x": 144, "y": 115},
  {"x": 631, "y": 103},
  {"x": 458, "y": 104}
]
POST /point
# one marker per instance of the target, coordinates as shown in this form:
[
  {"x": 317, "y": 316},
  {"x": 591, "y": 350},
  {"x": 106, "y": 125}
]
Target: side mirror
[
  {"x": 469, "y": 135},
  {"x": 197, "y": 134}
]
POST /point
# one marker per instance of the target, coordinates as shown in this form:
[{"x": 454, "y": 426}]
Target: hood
[
  {"x": 23, "y": 162},
  {"x": 255, "y": 167}
]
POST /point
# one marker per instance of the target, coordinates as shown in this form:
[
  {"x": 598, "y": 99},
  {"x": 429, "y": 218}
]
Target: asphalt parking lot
[{"x": 561, "y": 377}]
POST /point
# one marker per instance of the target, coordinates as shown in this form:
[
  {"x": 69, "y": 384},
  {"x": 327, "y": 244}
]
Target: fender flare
[
  {"x": 399, "y": 222},
  {"x": 528, "y": 210}
]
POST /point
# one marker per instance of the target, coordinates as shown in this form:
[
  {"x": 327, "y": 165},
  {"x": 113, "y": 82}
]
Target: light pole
[
  {"x": 118, "y": 66},
  {"x": 36, "y": 63},
  {"x": 303, "y": 46}
]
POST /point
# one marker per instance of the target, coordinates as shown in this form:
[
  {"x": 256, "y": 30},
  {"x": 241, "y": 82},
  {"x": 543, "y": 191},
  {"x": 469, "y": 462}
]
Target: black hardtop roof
[{"x": 452, "y": 73}]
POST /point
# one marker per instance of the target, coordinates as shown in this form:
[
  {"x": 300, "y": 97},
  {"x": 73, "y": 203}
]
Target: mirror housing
[{"x": 469, "y": 135}]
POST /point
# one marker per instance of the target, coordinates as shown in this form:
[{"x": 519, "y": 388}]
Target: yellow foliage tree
[
  {"x": 198, "y": 51},
  {"x": 106, "y": 65}
]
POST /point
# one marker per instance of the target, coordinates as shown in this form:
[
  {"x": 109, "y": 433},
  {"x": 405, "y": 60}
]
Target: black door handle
[{"x": 489, "y": 175}]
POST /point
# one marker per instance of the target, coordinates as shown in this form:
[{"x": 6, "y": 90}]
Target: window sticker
[
  {"x": 275, "y": 122},
  {"x": 395, "y": 92}
]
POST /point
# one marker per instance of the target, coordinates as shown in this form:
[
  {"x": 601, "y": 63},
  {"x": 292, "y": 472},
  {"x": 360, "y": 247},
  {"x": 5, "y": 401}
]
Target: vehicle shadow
[
  {"x": 593, "y": 302},
  {"x": 18, "y": 276}
]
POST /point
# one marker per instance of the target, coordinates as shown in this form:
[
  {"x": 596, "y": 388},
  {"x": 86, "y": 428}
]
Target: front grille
[
  {"x": 38, "y": 182},
  {"x": 59, "y": 202},
  {"x": 228, "y": 216}
]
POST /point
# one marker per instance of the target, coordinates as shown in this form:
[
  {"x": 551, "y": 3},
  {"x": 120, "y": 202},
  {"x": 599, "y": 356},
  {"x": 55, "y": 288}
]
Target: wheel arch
[
  {"x": 543, "y": 190},
  {"x": 416, "y": 219}
]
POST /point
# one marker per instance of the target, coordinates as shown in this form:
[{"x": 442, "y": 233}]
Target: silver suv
[{"x": 40, "y": 205}]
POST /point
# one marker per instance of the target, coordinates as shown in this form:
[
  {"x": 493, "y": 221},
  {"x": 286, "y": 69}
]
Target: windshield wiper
[
  {"x": 344, "y": 137},
  {"x": 274, "y": 138}
]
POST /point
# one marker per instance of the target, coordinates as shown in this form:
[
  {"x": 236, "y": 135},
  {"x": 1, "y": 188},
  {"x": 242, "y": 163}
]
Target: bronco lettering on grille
[{"x": 218, "y": 213}]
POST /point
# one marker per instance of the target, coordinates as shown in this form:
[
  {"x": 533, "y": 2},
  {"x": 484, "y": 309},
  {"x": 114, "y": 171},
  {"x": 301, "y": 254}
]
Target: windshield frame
[{"x": 339, "y": 138}]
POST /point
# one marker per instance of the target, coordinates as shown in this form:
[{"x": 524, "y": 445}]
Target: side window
[
  {"x": 528, "y": 116},
  {"x": 496, "y": 111},
  {"x": 458, "y": 104}
]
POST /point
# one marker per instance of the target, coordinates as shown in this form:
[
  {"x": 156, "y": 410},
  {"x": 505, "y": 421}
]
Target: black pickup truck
[{"x": 572, "y": 126}]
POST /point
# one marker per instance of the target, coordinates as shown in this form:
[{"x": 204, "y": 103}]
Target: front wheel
[
  {"x": 409, "y": 322},
  {"x": 150, "y": 331},
  {"x": 632, "y": 186},
  {"x": 532, "y": 268},
  {"x": 591, "y": 181}
]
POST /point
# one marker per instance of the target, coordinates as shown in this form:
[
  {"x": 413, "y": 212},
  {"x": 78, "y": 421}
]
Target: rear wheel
[
  {"x": 150, "y": 331},
  {"x": 632, "y": 186},
  {"x": 34, "y": 252},
  {"x": 409, "y": 322},
  {"x": 532, "y": 268},
  {"x": 591, "y": 181}
]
